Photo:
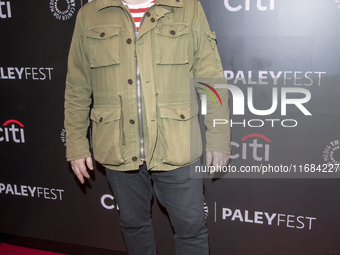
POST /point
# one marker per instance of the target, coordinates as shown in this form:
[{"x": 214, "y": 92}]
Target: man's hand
[
  {"x": 217, "y": 159},
  {"x": 79, "y": 168}
]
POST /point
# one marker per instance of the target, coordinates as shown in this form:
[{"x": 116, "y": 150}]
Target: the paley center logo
[
  {"x": 247, "y": 5},
  {"x": 63, "y": 136},
  {"x": 331, "y": 154},
  {"x": 12, "y": 131},
  {"x": 84, "y": 2},
  {"x": 62, "y": 9}
]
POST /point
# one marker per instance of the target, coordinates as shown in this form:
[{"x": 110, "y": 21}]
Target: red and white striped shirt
[{"x": 138, "y": 10}]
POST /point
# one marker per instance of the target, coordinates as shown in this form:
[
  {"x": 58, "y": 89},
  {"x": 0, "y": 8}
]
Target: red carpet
[{"x": 7, "y": 249}]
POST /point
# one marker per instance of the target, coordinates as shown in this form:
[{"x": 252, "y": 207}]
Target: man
[{"x": 137, "y": 74}]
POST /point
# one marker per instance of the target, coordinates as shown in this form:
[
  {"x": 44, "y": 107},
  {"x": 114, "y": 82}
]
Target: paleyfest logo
[
  {"x": 62, "y": 9},
  {"x": 266, "y": 218}
]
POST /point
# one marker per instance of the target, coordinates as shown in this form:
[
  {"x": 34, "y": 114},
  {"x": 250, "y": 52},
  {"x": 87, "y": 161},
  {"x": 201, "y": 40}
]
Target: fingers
[
  {"x": 208, "y": 158},
  {"x": 221, "y": 159},
  {"x": 226, "y": 159},
  {"x": 79, "y": 169},
  {"x": 217, "y": 159},
  {"x": 89, "y": 162}
]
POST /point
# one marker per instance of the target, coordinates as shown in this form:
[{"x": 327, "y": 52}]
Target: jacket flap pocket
[
  {"x": 211, "y": 35},
  {"x": 103, "y": 32},
  {"x": 172, "y": 30},
  {"x": 103, "y": 45},
  {"x": 178, "y": 113},
  {"x": 105, "y": 114}
]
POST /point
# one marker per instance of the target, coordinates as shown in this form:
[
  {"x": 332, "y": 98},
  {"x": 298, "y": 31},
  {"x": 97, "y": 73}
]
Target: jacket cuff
[
  {"x": 218, "y": 150},
  {"x": 77, "y": 153},
  {"x": 218, "y": 144}
]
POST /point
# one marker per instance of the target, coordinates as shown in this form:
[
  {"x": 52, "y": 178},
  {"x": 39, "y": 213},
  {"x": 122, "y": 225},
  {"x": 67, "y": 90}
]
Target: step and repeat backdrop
[{"x": 281, "y": 191}]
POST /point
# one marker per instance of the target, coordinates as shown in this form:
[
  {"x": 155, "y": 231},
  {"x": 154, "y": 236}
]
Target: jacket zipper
[
  {"x": 122, "y": 119},
  {"x": 140, "y": 114},
  {"x": 139, "y": 91}
]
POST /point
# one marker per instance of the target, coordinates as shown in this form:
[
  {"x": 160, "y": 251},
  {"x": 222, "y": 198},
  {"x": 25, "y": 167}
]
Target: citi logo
[
  {"x": 5, "y": 10},
  {"x": 260, "y": 6},
  {"x": 107, "y": 202},
  {"x": 11, "y": 132},
  {"x": 252, "y": 148}
]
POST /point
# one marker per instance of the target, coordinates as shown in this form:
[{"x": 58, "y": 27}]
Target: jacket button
[
  {"x": 129, "y": 41},
  {"x": 173, "y": 32},
  {"x": 153, "y": 20},
  {"x": 102, "y": 34},
  {"x": 182, "y": 116},
  {"x": 134, "y": 158},
  {"x": 101, "y": 120},
  {"x": 130, "y": 81},
  {"x": 148, "y": 14},
  {"x": 132, "y": 121}
]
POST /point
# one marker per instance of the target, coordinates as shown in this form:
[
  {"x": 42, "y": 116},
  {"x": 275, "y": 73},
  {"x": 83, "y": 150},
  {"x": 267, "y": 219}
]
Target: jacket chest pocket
[
  {"x": 171, "y": 43},
  {"x": 181, "y": 134},
  {"x": 103, "y": 45}
]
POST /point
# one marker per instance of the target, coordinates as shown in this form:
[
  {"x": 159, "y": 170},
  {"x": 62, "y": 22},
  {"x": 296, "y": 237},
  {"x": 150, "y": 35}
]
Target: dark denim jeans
[{"x": 182, "y": 197}]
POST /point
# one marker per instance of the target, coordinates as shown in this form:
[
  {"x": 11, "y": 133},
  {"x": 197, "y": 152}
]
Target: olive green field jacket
[{"x": 174, "y": 45}]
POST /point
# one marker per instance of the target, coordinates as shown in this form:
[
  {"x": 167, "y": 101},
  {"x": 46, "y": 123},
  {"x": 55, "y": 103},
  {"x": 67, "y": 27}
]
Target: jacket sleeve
[
  {"x": 207, "y": 66},
  {"x": 78, "y": 93}
]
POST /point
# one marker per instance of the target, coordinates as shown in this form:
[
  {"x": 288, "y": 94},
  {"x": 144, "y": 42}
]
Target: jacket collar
[
  {"x": 171, "y": 3},
  {"x": 101, "y": 4}
]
